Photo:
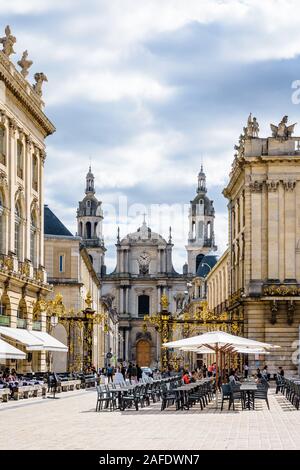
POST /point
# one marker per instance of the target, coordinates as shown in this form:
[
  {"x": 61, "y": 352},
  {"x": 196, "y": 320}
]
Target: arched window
[
  {"x": 208, "y": 230},
  {"x": 2, "y": 224},
  {"x": 20, "y": 159},
  {"x": 33, "y": 235},
  {"x": 2, "y": 146},
  {"x": 88, "y": 230},
  {"x": 80, "y": 229},
  {"x": 198, "y": 260},
  {"x": 34, "y": 173},
  {"x": 91, "y": 258},
  {"x": 5, "y": 310},
  {"x": 143, "y": 305},
  {"x": 22, "y": 314},
  {"x": 17, "y": 231}
]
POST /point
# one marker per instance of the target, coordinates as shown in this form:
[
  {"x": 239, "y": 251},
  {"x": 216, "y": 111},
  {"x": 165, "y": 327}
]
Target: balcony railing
[
  {"x": 37, "y": 325},
  {"x": 21, "y": 323},
  {"x": 4, "y": 320}
]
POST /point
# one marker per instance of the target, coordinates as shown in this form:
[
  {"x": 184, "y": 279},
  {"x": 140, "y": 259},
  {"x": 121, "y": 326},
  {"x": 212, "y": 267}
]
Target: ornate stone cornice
[{"x": 24, "y": 92}]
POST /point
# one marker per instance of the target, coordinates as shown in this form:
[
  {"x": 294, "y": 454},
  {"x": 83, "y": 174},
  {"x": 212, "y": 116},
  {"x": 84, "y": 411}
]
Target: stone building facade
[
  {"x": 23, "y": 129},
  {"x": 144, "y": 273},
  {"x": 72, "y": 275},
  {"x": 262, "y": 290}
]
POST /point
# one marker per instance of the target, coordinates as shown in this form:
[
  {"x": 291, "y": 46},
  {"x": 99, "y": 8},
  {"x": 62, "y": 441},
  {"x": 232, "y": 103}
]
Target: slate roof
[
  {"x": 206, "y": 264},
  {"x": 53, "y": 226}
]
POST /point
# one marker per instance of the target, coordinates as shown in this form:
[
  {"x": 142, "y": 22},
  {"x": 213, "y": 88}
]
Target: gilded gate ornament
[{"x": 164, "y": 302}]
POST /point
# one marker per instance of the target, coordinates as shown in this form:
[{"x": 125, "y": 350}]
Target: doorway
[{"x": 143, "y": 353}]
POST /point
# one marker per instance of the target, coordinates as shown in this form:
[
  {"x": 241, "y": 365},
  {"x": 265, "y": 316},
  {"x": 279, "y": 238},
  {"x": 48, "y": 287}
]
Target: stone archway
[{"x": 143, "y": 353}]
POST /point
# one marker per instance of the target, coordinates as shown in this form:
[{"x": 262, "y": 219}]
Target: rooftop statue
[
  {"x": 8, "y": 42},
  {"x": 25, "y": 64},
  {"x": 39, "y": 78},
  {"x": 252, "y": 128},
  {"x": 282, "y": 131}
]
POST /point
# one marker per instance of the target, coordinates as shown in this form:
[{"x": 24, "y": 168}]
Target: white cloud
[
  {"x": 34, "y": 7},
  {"x": 108, "y": 87}
]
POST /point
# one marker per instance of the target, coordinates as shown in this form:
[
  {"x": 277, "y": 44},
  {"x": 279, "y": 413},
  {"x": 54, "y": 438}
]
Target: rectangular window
[
  {"x": 61, "y": 263},
  {"x": 2, "y": 145},
  {"x": 34, "y": 173},
  {"x": 20, "y": 159}
]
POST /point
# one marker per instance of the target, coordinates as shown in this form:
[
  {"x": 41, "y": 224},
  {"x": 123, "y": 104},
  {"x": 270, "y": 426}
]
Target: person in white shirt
[{"x": 118, "y": 377}]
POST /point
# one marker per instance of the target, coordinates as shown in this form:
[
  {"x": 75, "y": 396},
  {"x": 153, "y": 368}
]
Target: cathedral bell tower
[
  {"x": 89, "y": 224},
  {"x": 201, "y": 238}
]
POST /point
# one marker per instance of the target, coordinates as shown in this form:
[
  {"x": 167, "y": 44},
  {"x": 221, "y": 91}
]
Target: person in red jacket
[{"x": 186, "y": 377}]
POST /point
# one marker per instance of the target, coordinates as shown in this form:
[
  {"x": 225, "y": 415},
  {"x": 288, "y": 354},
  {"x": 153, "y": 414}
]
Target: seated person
[
  {"x": 186, "y": 377},
  {"x": 194, "y": 377},
  {"x": 233, "y": 377}
]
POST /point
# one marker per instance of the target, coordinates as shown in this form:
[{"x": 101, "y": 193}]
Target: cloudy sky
[{"x": 146, "y": 89}]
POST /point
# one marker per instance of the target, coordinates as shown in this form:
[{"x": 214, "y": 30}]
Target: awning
[
  {"x": 49, "y": 342},
  {"x": 7, "y": 351},
  {"x": 25, "y": 337}
]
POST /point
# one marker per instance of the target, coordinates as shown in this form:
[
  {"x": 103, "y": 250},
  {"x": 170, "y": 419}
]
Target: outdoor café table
[
  {"x": 248, "y": 391},
  {"x": 119, "y": 392},
  {"x": 182, "y": 396}
]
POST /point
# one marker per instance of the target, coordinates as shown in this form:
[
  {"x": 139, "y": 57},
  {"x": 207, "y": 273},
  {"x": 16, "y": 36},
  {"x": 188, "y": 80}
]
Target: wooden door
[{"x": 143, "y": 353}]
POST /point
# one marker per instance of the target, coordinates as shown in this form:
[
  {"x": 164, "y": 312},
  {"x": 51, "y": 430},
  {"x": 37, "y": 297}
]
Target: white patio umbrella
[
  {"x": 204, "y": 350},
  {"x": 218, "y": 342}
]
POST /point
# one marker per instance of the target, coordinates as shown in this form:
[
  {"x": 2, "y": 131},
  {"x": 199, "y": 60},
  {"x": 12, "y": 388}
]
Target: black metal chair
[
  {"x": 262, "y": 392},
  {"x": 226, "y": 394},
  {"x": 105, "y": 399},
  {"x": 132, "y": 397},
  {"x": 235, "y": 394}
]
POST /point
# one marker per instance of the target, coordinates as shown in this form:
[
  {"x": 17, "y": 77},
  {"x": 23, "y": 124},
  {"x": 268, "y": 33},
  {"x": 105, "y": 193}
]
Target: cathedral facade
[{"x": 144, "y": 271}]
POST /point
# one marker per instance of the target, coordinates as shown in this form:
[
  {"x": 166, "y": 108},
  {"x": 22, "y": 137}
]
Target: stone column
[
  {"x": 158, "y": 298},
  {"x": 290, "y": 224},
  {"x": 256, "y": 218},
  {"x": 121, "y": 299},
  {"x": 126, "y": 344},
  {"x": 121, "y": 261},
  {"x": 26, "y": 175},
  {"x": 11, "y": 164},
  {"x": 273, "y": 228},
  {"x": 127, "y": 299}
]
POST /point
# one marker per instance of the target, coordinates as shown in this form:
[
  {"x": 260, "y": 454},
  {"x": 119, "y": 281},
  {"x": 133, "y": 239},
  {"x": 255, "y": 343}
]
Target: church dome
[
  {"x": 206, "y": 264},
  {"x": 143, "y": 234}
]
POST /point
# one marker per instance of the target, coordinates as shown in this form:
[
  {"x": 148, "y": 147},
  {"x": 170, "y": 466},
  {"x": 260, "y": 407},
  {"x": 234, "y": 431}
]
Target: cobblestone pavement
[{"x": 72, "y": 423}]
